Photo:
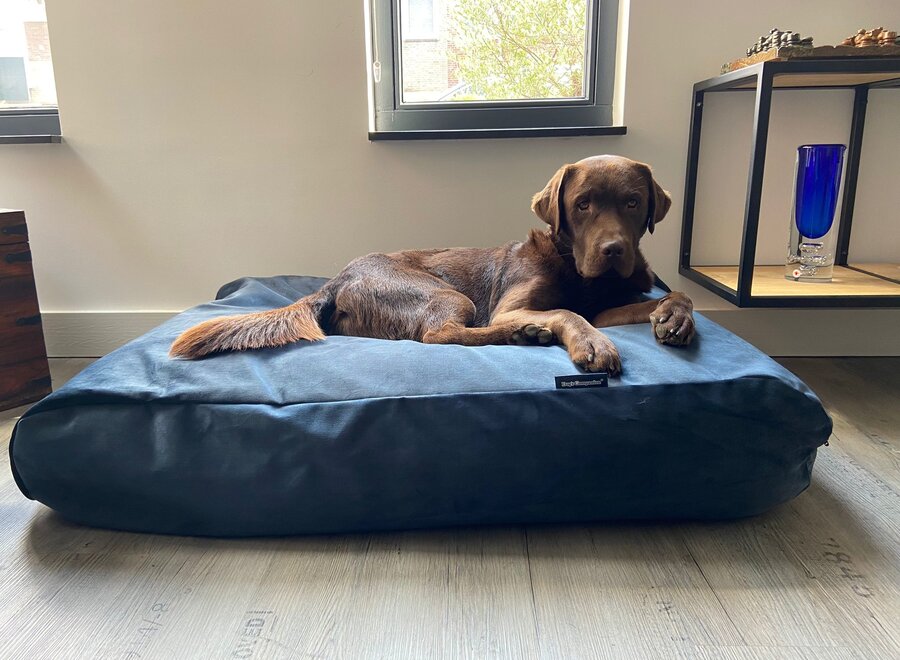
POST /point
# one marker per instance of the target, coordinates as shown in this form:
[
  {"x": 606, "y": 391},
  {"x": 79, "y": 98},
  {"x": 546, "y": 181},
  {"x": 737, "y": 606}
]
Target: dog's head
[{"x": 601, "y": 206}]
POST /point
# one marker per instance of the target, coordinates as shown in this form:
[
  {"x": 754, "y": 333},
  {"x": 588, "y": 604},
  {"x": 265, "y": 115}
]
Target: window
[
  {"x": 491, "y": 68},
  {"x": 28, "y": 111}
]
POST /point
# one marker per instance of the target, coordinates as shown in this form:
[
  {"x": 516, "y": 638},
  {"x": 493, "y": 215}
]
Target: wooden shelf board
[
  {"x": 891, "y": 271},
  {"x": 824, "y": 79},
  {"x": 769, "y": 281}
]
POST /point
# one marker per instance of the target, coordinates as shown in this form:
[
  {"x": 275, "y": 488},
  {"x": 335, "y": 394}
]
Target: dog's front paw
[
  {"x": 594, "y": 352},
  {"x": 672, "y": 321},
  {"x": 532, "y": 335}
]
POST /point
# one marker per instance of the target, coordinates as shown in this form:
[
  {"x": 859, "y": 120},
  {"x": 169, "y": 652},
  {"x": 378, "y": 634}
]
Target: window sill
[
  {"x": 30, "y": 139},
  {"x": 491, "y": 133},
  {"x": 29, "y": 126}
]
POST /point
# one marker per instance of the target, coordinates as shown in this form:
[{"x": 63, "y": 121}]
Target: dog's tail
[{"x": 277, "y": 327}]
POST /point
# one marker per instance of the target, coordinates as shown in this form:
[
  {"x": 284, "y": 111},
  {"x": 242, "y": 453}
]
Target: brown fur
[{"x": 586, "y": 265}]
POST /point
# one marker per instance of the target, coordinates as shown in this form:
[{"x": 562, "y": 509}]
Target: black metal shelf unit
[{"x": 858, "y": 74}]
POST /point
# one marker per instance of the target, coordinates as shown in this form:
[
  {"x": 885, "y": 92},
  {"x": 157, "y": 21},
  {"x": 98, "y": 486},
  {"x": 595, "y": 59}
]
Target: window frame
[
  {"x": 24, "y": 124},
  {"x": 392, "y": 119}
]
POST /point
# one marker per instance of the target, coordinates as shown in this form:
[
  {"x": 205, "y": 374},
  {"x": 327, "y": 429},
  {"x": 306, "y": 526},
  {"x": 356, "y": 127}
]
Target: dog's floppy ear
[
  {"x": 548, "y": 204},
  {"x": 660, "y": 201}
]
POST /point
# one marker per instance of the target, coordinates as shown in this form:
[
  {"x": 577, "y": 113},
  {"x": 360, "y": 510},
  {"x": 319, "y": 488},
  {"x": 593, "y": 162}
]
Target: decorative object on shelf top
[
  {"x": 874, "y": 37},
  {"x": 777, "y": 39},
  {"x": 782, "y": 45}
]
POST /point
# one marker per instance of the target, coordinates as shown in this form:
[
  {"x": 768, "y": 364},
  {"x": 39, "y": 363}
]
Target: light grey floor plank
[
  {"x": 603, "y": 590},
  {"x": 776, "y": 653},
  {"x": 816, "y": 578},
  {"x": 301, "y": 602},
  {"x": 402, "y": 584},
  {"x": 498, "y": 621}
]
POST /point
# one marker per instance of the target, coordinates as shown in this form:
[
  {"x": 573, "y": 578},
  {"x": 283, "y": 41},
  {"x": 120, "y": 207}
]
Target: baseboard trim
[
  {"x": 815, "y": 332},
  {"x": 780, "y": 332},
  {"x": 93, "y": 334}
]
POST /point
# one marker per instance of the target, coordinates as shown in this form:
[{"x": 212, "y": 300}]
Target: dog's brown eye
[
  {"x": 583, "y": 205},
  {"x": 631, "y": 204}
]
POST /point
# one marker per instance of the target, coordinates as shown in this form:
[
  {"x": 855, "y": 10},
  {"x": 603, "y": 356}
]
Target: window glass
[{"x": 493, "y": 50}]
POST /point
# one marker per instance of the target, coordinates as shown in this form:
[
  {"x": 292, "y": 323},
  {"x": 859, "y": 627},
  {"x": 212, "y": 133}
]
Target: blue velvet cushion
[{"x": 357, "y": 434}]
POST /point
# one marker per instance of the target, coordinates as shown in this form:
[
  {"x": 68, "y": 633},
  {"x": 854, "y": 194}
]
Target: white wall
[{"x": 207, "y": 140}]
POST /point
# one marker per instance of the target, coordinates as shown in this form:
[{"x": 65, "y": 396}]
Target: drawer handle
[
  {"x": 18, "y": 256},
  {"x": 29, "y": 320},
  {"x": 19, "y": 230}
]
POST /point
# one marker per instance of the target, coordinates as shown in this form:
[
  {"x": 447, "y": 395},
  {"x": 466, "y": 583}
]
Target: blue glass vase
[{"x": 817, "y": 187}]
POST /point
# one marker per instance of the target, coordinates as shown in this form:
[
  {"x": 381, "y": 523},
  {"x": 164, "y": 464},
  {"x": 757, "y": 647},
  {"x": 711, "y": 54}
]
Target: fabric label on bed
[{"x": 580, "y": 381}]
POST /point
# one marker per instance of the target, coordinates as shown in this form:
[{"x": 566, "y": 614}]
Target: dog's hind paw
[{"x": 532, "y": 335}]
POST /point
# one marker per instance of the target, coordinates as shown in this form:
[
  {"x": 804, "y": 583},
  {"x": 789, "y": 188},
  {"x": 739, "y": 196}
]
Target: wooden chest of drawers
[{"x": 24, "y": 374}]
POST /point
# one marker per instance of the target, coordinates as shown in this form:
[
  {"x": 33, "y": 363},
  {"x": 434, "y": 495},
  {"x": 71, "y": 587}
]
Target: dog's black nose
[{"x": 613, "y": 249}]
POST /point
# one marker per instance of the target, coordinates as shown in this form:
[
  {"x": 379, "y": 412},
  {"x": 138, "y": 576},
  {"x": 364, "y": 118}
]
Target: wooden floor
[{"x": 819, "y": 578}]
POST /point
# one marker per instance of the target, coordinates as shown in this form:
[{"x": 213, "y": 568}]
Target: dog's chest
[{"x": 594, "y": 296}]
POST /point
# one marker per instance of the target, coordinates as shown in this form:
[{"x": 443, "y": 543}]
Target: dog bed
[{"x": 354, "y": 434}]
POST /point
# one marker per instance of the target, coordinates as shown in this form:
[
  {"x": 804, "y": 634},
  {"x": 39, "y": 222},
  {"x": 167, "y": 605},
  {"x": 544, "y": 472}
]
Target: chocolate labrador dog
[{"x": 582, "y": 273}]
